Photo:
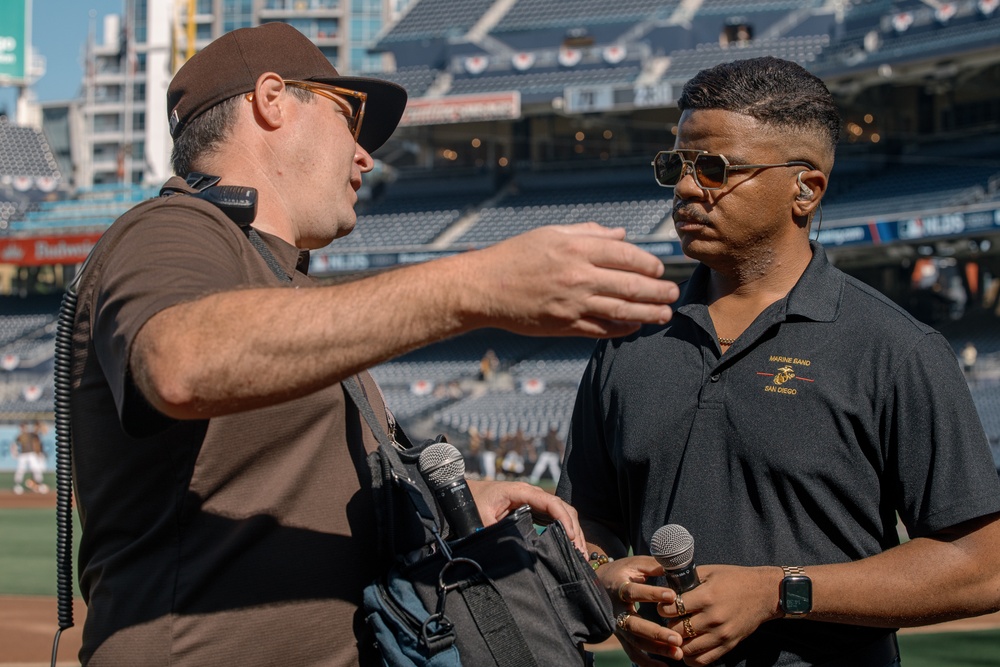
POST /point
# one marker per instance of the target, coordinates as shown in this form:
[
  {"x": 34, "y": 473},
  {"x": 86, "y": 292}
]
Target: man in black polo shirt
[{"x": 784, "y": 416}]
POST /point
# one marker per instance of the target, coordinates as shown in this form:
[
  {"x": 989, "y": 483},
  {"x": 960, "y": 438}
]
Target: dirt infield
[{"x": 28, "y": 624}]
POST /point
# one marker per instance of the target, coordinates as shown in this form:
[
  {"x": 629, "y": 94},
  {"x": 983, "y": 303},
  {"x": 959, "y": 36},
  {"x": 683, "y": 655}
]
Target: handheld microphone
[
  {"x": 443, "y": 468},
  {"x": 673, "y": 548}
]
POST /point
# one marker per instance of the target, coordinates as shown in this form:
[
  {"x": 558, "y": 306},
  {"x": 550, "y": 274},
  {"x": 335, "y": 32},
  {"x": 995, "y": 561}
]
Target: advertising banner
[
  {"x": 47, "y": 250},
  {"x": 462, "y": 109},
  {"x": 13, "y": 41}
]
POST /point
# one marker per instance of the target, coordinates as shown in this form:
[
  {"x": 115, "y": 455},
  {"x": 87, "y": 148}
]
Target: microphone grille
[
  {"x": 672, "y": 546},
  {"x": 440, "y": 464}
]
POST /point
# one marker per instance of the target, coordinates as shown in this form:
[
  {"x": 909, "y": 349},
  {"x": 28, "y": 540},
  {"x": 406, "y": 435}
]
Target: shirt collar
[
  {"x": 291, "y": 258},
  {"x": 818, "y": 293},
  {"x": 816, "y": 296}
]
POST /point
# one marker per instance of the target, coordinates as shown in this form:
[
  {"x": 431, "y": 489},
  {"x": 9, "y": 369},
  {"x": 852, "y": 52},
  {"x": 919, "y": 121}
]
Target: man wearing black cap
[{"x": 216, "y": 457}]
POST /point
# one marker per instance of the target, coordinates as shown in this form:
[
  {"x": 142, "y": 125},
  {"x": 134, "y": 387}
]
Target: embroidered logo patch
[{"x": 786, "y": 377}]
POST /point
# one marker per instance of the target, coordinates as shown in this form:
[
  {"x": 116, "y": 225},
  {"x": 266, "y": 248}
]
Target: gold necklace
[{"x": 726, "y": 341}]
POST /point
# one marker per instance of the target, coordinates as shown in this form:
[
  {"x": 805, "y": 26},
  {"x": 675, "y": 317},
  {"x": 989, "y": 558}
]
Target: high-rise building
[{"x": 126, "y": 136}]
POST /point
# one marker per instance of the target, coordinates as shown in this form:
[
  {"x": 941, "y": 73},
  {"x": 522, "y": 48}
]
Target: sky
[{"x": 59, "y": 34}]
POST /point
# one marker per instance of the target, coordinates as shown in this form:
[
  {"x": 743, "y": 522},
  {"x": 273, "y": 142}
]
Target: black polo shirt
[{"x": 834, "y": 411}]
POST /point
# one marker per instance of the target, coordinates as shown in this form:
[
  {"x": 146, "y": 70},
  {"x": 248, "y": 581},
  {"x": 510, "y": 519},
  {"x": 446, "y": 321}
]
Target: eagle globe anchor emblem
[{"x": 785, "y": 373}]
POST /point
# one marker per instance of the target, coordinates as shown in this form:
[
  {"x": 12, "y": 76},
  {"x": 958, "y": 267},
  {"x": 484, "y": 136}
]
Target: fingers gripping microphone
[
  {"x": 443, "y": 468},
  {"x": 673, "y": 547}
]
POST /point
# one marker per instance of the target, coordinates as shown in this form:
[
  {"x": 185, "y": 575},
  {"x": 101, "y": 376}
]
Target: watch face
[{"x": 796, "y": 595}]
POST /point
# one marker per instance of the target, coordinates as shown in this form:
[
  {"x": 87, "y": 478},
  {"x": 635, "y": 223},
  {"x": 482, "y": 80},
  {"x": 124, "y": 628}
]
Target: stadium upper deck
[
  {"x": 538, "y": 111},
  {"x": 528, "y": 112}
]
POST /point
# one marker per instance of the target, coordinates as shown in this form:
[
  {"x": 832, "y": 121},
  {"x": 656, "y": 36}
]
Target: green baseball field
[{"x": 29, "y": 620}]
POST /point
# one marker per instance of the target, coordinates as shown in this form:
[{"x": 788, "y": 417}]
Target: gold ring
[
  {"x": 621, "y": 619},
  {"x": 679, "y": 603},
  {"x": 688, "y": 630},
  {"x": 621, "y": 590}
]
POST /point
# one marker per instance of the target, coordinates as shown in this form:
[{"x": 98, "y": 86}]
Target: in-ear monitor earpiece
[{"x": 805, "y": 192}]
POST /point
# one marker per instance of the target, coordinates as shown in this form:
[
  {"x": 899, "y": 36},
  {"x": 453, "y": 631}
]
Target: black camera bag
[{"x": 508, "y": 595}]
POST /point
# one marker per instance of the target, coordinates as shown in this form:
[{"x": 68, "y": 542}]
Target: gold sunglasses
[
  {"x": 351, "y": 102},
  {"x": 710, "y": 170}
]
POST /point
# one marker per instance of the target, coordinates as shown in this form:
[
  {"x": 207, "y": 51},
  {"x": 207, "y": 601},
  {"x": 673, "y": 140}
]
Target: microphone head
[
  {"x": 441, "y": 464},
  {"x": 672, "y": 546}
]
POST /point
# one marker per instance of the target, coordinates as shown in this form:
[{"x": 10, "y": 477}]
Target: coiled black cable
[
  {"x": 64, "y": 464},
  {"x": 240, "y": 205}
]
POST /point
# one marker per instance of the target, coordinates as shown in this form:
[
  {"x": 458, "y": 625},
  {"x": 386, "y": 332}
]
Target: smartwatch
[{"x": 795, "y": 593}]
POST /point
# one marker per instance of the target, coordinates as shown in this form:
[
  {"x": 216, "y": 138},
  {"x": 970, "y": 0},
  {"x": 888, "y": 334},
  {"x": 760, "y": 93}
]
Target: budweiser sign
[{"x": 47, "y": 250}]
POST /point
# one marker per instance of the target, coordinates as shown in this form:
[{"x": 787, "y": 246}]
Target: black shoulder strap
[
  {"x": 265, "y": 252},
  {"x": 397, "y": 468}
]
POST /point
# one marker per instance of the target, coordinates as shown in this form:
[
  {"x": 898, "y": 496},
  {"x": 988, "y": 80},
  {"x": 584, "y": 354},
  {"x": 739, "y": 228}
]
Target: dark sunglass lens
[
  {"x": 668, "y": 168},
  {"x": 354, "y": 103},
  {"x": 711, "y": 170}
]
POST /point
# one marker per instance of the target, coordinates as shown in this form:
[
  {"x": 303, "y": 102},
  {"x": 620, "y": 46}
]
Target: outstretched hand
[{"x": 581, "y": 279}]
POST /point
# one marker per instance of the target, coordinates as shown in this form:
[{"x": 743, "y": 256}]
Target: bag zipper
[{"x": 401, "y": 613}]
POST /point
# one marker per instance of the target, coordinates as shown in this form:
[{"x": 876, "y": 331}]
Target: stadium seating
[
  {"x": 414, "y": 211},
  {"x": 407, "y": 406},
  {"x": 871, "y": 34},
  {"x": 541, "y": 14},
  {"x": 437, "y": 19},
  {"x": 542, "y": 86},
  {"x": 27, "y": 348},
  {"x": 28, "y": 171},
  {"x": 987, "y": 399},
  {"x": 639, "y": 206},
  {"x": 439, "y": 387},
  {"x": 90, "y": 210},
  {"x": 897, "y": 189},
  {"x": 686, "y": 63},
  {"x": 503, "y": 413},
  {"x": 416, "y": 80},
  {"x": 561, "y": 362},
  {"x": 25, "y": 155}
]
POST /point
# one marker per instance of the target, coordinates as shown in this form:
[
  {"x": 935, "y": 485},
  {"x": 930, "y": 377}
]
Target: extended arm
[{"x": 240, "y": 350}]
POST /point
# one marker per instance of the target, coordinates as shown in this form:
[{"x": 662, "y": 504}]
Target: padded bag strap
[
  {"x": 496, "y": 624},
  {"x": 399, "y": 470},
  {"x": 387, "y": 470}
]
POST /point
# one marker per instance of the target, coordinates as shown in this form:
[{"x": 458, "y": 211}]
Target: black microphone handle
[
  {"x": 459, "y": 508},
  {"x": 682, "y": 579}
]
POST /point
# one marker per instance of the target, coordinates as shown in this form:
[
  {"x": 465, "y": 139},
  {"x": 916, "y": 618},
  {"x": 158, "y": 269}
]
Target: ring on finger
[
  {"x": 621, "y": 620},
  {"x": 621, "y": 590},
  {"x": 688, "y": 630},
  {"x": 679, "y": 603}
]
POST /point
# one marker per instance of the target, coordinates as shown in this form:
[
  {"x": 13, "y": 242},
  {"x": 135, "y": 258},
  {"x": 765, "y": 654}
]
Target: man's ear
[
  {"x": 268, "y": 101},
  {"x": 809, "y": 188}
]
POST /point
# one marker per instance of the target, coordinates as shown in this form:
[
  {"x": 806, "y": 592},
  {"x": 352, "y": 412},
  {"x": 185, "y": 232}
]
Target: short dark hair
[
  {"x": 773, "y": 91},
  {"x": 205, "y": 133}
]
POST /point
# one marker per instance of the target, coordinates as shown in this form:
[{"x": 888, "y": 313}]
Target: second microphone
[
  {"x": 673, "y": 547},
  {"x": 443, "y": 468}
]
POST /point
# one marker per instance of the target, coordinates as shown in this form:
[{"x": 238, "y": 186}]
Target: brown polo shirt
[{"x": 242, "y": 540}]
